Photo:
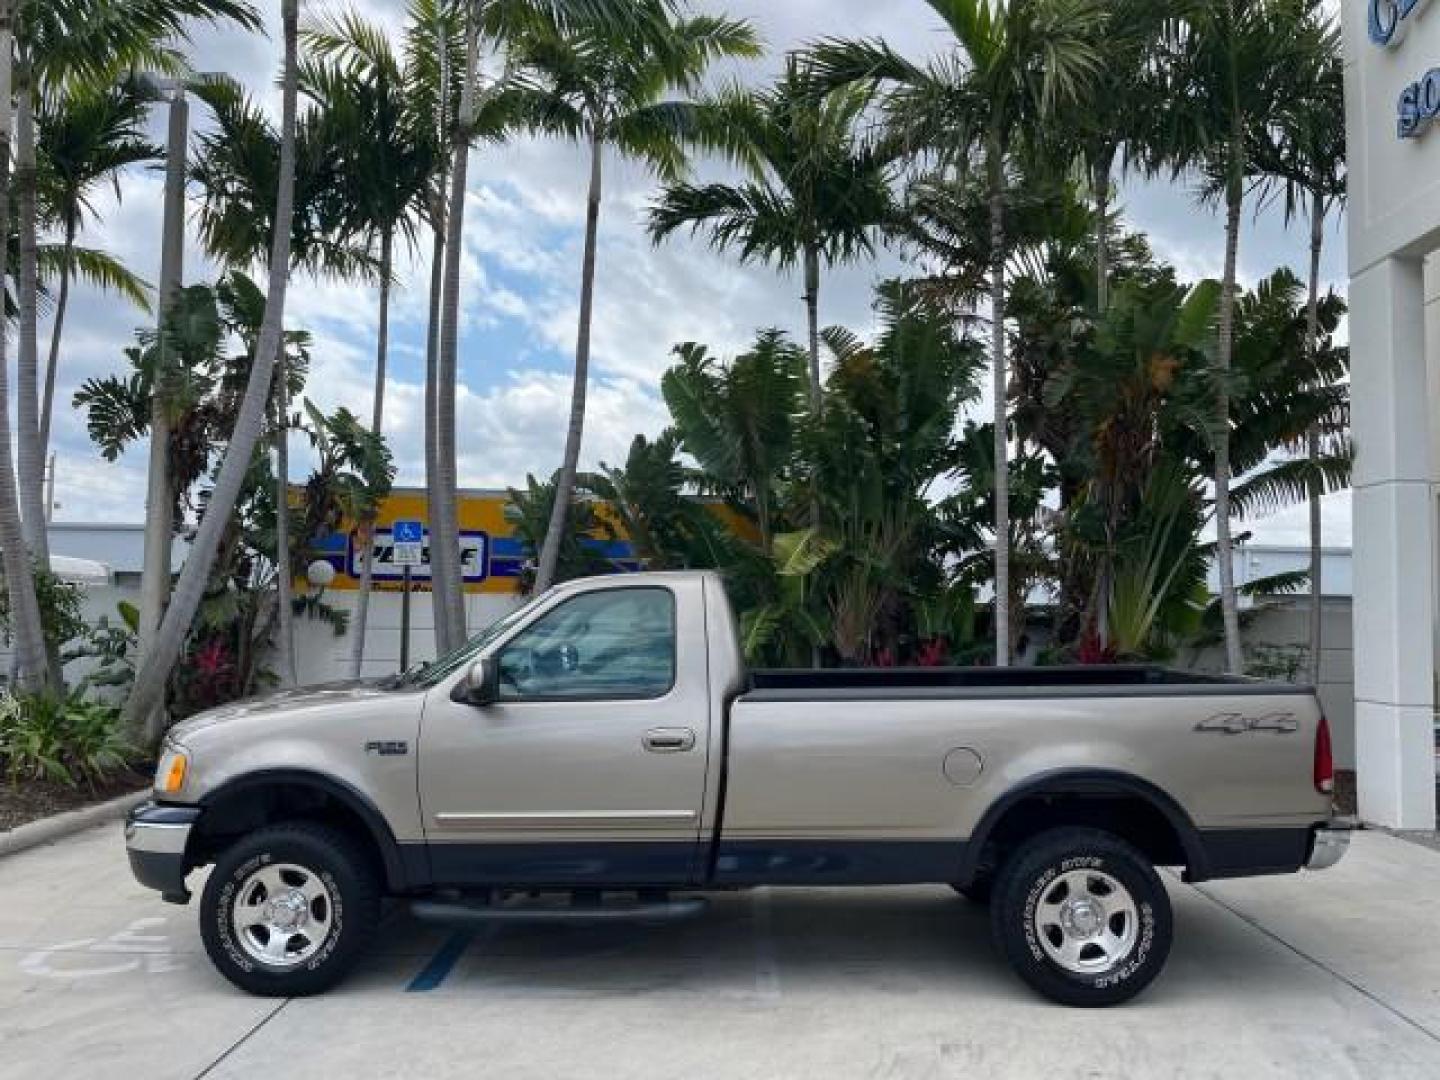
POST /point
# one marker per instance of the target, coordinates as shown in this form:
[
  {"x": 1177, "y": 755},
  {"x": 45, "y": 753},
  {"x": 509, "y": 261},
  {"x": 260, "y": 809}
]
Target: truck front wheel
[
  {"x": 289, "y": 909},
  {"x": 1082, "y": 917}
]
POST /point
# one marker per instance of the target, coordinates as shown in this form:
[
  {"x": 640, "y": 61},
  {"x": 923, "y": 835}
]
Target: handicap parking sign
[{"x": 408, "y": 538}]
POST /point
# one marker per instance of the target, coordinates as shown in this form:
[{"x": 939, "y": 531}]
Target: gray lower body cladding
[{"x": 1227, "y": 853}]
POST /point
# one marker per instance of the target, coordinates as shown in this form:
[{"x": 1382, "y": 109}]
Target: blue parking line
[{"x": 442, "y": 963}]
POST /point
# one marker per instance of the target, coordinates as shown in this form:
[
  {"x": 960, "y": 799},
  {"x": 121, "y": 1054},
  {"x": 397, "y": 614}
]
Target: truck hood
[{"x": 328, "y": 697}]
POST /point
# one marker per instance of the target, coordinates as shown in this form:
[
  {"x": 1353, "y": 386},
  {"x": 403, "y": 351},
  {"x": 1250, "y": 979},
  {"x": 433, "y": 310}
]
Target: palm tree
[
  {"x": 86, "y": 138},
  {"x": 815, "y": 195},
  {"x": 628, "y": 22},
  {"x": 528, "y": 512},
  {"x": 19, "y": 577},
  {"x": 393, "y": 153},
  {"x": 353, "y": 476},
  {"x": 151, "y": 679},
  {"x": 236, "y": 167},
  {"x": 994, "y": 95},
  {"x": 447, "y": 100},
  {"x": 738, "y": 420},
  {"x": 605, "y": 91},
  {"x": 447, "y": 584},
  {"x": 60, "y": 44},
  {"x": 1232, "y": 63},
  {"x": 1113, "y": 114},
  {"x": 885, "y": 438},
  {"x": 435, "y": 38},
  {"x": 1307, "y": 159}
]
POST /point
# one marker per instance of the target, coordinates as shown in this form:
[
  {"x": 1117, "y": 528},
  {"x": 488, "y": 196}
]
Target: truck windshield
[{"x": 425, "y": 675}]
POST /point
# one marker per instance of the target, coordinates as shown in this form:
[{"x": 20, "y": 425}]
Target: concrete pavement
[{"x": 1334, "y": 975}]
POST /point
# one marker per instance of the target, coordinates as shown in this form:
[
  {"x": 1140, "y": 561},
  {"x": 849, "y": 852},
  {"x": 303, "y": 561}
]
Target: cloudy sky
[{"x": 521, "y": 280}]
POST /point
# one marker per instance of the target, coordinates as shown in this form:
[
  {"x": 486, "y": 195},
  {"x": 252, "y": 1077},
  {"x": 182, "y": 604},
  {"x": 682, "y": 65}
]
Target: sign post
[{"x": 408, "y": 539}]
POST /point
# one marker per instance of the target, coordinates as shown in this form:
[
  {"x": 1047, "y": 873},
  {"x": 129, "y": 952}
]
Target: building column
[{"x": 1395, "y": 514}]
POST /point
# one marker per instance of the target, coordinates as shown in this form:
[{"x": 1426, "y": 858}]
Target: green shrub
[
  {"x": 61, "y": 610},
  {"x": 65, "y": 740}
]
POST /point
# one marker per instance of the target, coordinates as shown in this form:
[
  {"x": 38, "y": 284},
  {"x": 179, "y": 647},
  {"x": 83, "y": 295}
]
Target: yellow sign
[{"x": 491, "y": 559}]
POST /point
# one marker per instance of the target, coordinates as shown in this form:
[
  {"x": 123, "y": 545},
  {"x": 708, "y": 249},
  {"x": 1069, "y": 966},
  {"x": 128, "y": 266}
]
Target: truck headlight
[{"x": 170, "y": 773}]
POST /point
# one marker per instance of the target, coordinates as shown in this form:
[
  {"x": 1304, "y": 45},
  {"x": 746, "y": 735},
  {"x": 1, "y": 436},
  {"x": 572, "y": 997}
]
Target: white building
[{"x": 1392, "y": 90}]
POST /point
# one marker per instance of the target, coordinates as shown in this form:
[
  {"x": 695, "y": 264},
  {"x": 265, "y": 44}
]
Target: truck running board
[{"x": 585, "y": 909}]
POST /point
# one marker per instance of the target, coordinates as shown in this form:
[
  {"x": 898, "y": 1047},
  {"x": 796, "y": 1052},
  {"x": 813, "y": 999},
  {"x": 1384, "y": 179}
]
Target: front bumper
[
  {"x": 156, "y": 838},
  {"x": 1329, "y": 844}
]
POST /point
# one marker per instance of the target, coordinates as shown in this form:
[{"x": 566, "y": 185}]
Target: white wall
[
  {"x": 1284, "y": 621},
  {"x": 1394, "y": 223},
  {"x": 320, "y": 656}
]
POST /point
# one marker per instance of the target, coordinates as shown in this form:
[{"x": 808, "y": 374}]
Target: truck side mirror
[{"x": 481, "y": 685}]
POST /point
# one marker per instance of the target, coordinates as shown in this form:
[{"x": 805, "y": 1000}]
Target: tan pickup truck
[{"x": 602, "y": 753}]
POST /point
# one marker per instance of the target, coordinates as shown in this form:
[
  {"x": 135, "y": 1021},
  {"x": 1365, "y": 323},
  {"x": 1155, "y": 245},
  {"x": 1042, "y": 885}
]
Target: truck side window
[{"x": 612, "y": 643}]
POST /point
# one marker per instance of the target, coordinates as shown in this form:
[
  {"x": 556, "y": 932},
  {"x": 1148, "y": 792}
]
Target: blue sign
[
  {"x": 1389, "y": 19},
  {"x": 391, "y": 556},
  {"x": 1419, "y": 105},
  {"x": 408, "y": 532}
]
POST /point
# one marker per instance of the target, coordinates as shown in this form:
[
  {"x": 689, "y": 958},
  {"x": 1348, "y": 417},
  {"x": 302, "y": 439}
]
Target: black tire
[
  {"x": 1031, "y": 877},
  {"x": 351, "y": 908}
]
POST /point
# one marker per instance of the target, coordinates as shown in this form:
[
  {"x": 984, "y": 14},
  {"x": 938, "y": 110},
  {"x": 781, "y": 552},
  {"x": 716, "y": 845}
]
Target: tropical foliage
[{"x": 864, "y": 510}]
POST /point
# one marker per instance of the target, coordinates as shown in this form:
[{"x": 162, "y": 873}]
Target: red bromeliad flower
[
  {"x": 1090, "y": 651},
  {"x": 212, "y": 660},
  {"x": 932, "y": 653}
]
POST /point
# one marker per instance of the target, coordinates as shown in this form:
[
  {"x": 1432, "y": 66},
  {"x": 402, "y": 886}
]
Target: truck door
[{"x": 591, "y": 766}]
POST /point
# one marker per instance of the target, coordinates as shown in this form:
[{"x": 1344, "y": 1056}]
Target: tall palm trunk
[
  {"x": 160, "y": 494},
  {"x": 284, "y": 571},
  {"x": 31, "y": 460},
  {"x": 377, "y": 419},
  {"x": 1001, "y": 390},
  {"x": 249, "y": 423},
  {"x": 817, "y": 390},
  {"x": 1312, "y": 340},
  {"x": 448, "y": 584},
  {"x": 1104, "y": 162},
  {"x": 28, "y": 635},
  {"x": 30, "y": 453},
  {"x": 817, "y": 401},
  {"x": 1224, "y": 546},
  {"x": 57, "y": 330},
  {"x": 812, "y": 317},
  {"x": 575, "y": 433},
  {"x": 432, "y": 395}
]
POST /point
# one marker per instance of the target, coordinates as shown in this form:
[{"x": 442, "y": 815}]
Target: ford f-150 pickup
[{"x": 602, "y": 753}]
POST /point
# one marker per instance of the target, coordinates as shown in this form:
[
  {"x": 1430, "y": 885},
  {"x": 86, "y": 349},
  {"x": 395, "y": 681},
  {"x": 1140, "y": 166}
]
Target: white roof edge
[{"x": 81, "y": 571}]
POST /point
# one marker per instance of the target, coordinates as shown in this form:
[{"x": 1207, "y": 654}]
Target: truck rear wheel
[
  {"x": 289, "y": 909},
  {"x": 1082, "y": 917}
]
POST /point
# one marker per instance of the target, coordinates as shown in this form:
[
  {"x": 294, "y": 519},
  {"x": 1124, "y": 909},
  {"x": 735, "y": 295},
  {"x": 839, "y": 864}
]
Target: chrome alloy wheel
[
  {"x": 1087, "y": 922},
  {"x": 282, "y": 914}
]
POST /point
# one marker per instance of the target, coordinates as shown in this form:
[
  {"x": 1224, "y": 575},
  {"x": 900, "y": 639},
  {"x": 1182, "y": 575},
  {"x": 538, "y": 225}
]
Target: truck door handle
[{"x": 669, "y": 740}]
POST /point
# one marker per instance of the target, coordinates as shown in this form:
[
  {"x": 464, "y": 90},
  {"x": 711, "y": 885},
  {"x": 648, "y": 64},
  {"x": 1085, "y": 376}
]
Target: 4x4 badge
[
  {"x": 388, "y": 749},
  {"x": 1279, "y": 723}
]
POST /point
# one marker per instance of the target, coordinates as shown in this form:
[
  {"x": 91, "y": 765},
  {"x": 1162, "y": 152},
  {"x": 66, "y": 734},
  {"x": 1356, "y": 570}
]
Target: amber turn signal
[{"x": 171, "y": 776}]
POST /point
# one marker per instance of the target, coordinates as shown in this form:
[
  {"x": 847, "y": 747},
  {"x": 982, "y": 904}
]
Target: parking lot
[{"x": 1328, "y": 975}]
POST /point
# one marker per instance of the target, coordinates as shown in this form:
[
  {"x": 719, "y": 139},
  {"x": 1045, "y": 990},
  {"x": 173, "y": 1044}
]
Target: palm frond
[{"x": 1289, "y": 483}]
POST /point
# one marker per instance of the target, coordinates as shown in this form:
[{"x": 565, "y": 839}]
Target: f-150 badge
[{"x": 1278, "y": 723}]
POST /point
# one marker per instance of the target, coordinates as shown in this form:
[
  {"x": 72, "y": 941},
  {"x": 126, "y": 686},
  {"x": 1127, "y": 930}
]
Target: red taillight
[{"x": 1324, "y": 759}]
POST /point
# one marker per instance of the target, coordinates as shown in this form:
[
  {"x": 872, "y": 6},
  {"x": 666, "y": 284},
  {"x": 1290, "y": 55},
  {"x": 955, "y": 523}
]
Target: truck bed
[{"x": 1097, "y": 680}]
